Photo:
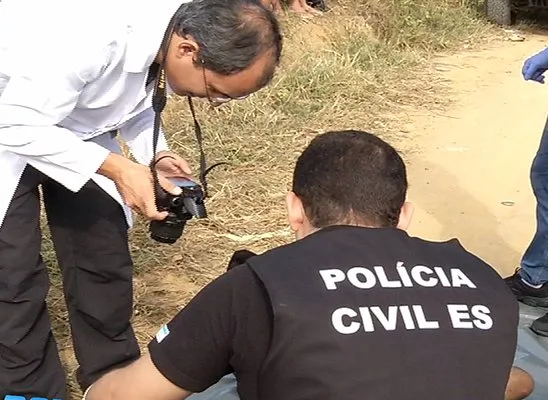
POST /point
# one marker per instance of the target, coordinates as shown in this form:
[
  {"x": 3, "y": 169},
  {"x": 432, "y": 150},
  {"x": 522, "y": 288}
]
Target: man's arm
[
  {"x": 194, "y": 350},
  {"x": 138, "y": 135},
  {"x": 42, "y": 91},
  {"x": 139, "y": 380}
]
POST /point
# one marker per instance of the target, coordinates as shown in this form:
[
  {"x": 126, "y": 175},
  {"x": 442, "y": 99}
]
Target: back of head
[
  {"x": 232, "y": 34},
  {"x": 350, "y": 177}
]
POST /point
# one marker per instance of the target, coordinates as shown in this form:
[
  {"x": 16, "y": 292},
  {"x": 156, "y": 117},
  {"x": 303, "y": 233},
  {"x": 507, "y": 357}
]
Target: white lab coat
[{"x": 71, "y": 70}]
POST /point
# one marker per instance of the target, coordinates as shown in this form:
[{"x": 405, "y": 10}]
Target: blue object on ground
[{"x": 532, "y": 351}]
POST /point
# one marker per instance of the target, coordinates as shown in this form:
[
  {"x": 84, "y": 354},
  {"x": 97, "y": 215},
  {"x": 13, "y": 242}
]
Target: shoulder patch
[{"x": 162, "y": 333}]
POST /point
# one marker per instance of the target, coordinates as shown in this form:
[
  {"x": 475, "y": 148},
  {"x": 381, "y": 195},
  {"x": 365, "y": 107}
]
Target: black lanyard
[{"x": 159, "y": 100}]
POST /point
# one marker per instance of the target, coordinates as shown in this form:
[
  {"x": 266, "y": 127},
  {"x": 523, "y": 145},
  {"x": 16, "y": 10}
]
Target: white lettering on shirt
[{"x": 371, "y": 318}]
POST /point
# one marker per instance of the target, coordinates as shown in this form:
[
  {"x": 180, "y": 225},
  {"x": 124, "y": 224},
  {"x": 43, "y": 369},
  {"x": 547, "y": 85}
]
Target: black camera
[{"x": 181, "y": 208}]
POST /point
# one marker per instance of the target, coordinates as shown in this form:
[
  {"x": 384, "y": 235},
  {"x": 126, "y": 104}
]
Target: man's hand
[
  {"x": 135, "y": 184},
  {"x": 170, "y": 165},
  {"x": 139, "y": 380},
  {"x": 535, "y": 67}
]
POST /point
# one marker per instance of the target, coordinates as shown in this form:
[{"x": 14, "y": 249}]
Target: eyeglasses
[{"x": 218, "y": 101}]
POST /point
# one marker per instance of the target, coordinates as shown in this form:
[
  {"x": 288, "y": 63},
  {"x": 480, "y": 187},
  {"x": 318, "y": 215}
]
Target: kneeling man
[{"x": 354, "y": 309}]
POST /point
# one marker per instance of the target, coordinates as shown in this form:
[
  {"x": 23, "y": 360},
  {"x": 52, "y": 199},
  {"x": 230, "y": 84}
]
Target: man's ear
[
  {"x": 406, "y": 214},
  {"x": 185, "y": 47},
  {"x": 295, "y": 211}
]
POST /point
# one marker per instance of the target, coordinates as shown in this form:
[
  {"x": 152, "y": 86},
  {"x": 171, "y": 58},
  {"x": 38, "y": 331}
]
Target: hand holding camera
[
  {"x": 135, "y": 184},
  {"x": 180, "y": 207},
  {"x": 168, "y": 205},
  {"x": 171, "y": 165}
]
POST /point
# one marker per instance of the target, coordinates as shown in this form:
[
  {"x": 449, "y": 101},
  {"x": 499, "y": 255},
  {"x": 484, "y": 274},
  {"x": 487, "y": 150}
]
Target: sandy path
[{"x": 477, "y": 155}]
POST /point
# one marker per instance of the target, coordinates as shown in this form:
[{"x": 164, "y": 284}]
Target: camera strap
[{"x": 159, "y": 101}]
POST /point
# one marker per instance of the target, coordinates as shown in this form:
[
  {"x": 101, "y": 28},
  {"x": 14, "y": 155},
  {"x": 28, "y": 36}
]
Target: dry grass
[{"x": 359, "y": 66}]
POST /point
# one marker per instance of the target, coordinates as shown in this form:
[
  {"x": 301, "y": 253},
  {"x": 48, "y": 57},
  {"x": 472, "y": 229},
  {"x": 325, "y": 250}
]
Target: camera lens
[{"x": 167, "y": 231}]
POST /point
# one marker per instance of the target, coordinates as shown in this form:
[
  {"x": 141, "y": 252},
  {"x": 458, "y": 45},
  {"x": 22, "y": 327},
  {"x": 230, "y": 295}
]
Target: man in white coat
[{"x": 73, "y": 72}]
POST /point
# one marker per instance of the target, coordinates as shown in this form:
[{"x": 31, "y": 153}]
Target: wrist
[
  {"x": 162, "y": 153},
  {"x": 113, "y": 166}
]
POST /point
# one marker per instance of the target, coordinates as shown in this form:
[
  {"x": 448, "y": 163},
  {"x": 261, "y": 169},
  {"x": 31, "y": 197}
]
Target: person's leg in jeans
[
  {"x": 90, "y": 236},
  {"x": 29, "y": 358},
  {"x": 534, "y": 264},
  {"x": 529, "y": 282},
  {"x": 225, "y": 389}
]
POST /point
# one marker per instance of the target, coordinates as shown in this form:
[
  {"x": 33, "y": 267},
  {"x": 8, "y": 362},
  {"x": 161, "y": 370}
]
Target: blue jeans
[
  {"x": 225, "y": 389},
  {"x": 534, "y": 264}
]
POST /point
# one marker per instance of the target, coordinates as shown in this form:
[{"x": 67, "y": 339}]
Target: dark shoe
[
  {"x": 526, "y": 294},
  {"x": 540, "y": 326}
]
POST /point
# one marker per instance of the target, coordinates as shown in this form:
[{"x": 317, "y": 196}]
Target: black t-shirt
[
  {"x": 225, "y": 328},
  {"x": 228, "y": 326}
]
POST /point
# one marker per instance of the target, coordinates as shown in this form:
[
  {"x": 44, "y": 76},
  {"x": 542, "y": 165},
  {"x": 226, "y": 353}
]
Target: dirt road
[{"x": 476, "y": 156}]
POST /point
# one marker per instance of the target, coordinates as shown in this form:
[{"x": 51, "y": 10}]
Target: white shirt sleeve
[
  {"x": 40, "y": 94},
  {"x": 138, "y": 134}
]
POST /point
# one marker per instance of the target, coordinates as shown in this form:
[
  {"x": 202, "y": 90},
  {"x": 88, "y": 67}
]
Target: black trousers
[{"x": 90, "y": 237}]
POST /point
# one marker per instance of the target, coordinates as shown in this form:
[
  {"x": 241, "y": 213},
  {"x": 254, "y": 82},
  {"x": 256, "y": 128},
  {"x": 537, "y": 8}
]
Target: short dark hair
[
  {"x": 231, "y": 33},
  {"x": 350, "y": 177}
]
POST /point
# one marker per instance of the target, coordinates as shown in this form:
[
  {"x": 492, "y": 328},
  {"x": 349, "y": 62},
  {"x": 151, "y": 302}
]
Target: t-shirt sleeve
[{"x": 194, "y": 349}]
